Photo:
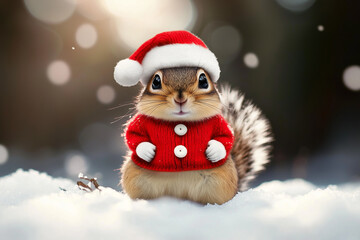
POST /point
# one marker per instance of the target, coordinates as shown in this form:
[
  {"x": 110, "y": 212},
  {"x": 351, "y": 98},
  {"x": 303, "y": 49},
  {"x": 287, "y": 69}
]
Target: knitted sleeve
[
  {"x": 136, "y": 133},
  {"x": 223, "y": 133}
]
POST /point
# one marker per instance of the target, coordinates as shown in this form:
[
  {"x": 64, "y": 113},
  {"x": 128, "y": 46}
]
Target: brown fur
[
  {"x": 215, "y": 186},
  {"x": 201, "y": 103},
  {"x": 241, "y": 150}
]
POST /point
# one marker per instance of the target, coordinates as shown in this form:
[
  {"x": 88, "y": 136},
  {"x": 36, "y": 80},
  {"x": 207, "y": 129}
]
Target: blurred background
[{"x": 298, "y": 60}]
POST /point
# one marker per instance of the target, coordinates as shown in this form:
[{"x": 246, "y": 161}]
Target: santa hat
[{"x": 166, "y": 50}]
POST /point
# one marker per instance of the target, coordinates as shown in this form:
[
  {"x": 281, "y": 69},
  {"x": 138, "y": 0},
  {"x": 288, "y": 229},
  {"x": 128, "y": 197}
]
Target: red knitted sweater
[{"x": 162, "y": 134}]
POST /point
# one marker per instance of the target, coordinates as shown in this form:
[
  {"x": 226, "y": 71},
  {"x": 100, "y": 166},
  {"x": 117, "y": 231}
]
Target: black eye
[
  {"x": 203, "y": 83},
  {"x": 156, "y": 84}
]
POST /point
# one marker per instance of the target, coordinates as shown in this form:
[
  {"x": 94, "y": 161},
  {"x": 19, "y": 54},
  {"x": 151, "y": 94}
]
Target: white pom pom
[{"x": 127, "y": 72}]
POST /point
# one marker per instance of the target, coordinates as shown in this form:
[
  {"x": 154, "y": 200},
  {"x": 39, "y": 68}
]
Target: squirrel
[{"x": 188, "y": 140}]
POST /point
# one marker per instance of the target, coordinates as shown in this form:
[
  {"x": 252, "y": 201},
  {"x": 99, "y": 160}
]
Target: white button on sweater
[
  {"x": 180, "y": 129},
  {"x": 180, "y": 151}
]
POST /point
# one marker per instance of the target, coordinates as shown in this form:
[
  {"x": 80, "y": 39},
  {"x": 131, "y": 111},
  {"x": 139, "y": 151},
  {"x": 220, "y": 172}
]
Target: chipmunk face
[{"x": 184, "y": 93}]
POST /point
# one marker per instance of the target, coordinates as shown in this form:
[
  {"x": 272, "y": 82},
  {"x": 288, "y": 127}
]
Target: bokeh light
[
  {"x": 45, "y": 63},
  {"x": 320, "y": 28},
  {"x": 54, "y": 11},
  {"x": 139, "y": 20},
  {"x": 296, "y": 5},
  {"x": 225, "y": 48},
  {"x": 105, "y": 94},
  {"x": 4, "y": 154},
  {"x": 251, "y": 60},
  {"x": 58, "y": 72},
  {"x": 120, "y": 8},
  {"x": 86, "y": 36},
  {"x": 75, "y": 163},
  {"x": 351, "y": 77},
  {"x": 91, "y": 9}
]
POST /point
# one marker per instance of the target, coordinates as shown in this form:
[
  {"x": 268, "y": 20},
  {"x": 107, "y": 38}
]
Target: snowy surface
[{"x": 32, "y": 206}]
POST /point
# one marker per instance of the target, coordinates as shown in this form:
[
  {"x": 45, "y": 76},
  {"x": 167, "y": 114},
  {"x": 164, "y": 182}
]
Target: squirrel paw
[
  {"x": 146, "y": 151},
  {"x": 215, "y": 151}
]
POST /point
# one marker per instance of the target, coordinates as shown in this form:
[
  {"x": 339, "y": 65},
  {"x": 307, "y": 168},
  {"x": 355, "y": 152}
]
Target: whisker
[
  {"x": 153, "y": 101},
  {"x": 122, "y": 105},
  {"x": 127, "y": 114},
  {"x": 207, "y": 105},
  {"x": 213, "y": 100},
  {"x": 151, "y": 109},
  {"x": 142, "y": 101},
  {"x": 150, "y": 103}
]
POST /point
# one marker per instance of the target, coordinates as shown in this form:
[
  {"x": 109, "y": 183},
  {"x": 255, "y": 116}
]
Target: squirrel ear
[{"x": 127, "y": 72}]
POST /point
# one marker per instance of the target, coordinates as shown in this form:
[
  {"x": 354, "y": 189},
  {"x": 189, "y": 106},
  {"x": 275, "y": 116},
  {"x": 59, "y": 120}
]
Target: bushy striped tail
[{"x": 252, "y": 133}]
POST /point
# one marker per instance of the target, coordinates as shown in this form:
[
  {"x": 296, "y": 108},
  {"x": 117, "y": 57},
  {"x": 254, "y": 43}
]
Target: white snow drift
[{"x": 32, "y": 206}]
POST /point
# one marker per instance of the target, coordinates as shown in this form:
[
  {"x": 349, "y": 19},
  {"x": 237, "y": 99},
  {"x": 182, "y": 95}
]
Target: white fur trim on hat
[
  {"x": 180, "y": 55},
  {"x": 128, "y": 72}
]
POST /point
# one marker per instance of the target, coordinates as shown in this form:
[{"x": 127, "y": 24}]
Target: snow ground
[{"x": 32, "y": 206}]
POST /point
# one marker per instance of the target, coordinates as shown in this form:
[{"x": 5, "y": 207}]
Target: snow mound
[{"x": 33, "y": 206}]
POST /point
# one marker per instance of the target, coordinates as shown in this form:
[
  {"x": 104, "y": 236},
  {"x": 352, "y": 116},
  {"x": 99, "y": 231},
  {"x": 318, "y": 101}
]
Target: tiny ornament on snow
[
  {"x": 182, "y": 140},
  {"x": 88, "y": 187}
]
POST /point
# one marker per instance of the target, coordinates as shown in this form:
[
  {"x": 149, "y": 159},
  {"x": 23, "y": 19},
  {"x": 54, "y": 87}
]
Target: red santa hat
[{"x": 166, "y": 50}]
